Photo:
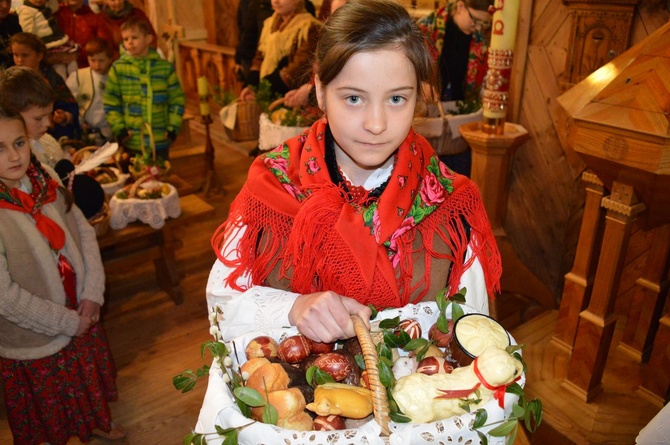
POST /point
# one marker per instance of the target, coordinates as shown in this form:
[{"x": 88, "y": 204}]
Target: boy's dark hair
[
  {"x": 139, "y": 23},
  {"x": 97, "y": 45},
  {"x": 22, "y": 87},
  {"x": 30, "y": 40}
]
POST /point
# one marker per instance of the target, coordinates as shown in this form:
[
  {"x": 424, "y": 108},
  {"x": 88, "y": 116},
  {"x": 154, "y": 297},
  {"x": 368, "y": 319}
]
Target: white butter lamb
[{"x": 496, "y": 367}]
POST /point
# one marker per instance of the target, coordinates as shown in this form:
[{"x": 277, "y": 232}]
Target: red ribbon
[
  {"x": 69, "y": 279},
  {"x": 457, "y": 393},
  {"x": 498, "y": 391}
]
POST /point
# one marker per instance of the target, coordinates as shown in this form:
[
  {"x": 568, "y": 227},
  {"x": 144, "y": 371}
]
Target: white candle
[
  {"x": 501, "y": 52},
  {"x": 505, "y": 18}
]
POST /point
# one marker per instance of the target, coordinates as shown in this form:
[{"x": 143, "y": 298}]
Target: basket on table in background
[
  {"x": 439, "y": 124},
  {"x": 147, "y": 200},
  {"x": 273, "y": 130},
  {"x": 149, "y": 163},
  {"x": 109, "y": 174},
  {"x": 240, "y": 120},
  {"x": 100, "y": 221}
]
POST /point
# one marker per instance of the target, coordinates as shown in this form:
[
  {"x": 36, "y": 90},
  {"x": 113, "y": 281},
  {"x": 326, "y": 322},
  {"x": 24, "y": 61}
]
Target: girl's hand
[
  {"x": 85, "y": 324},
  {"x": 298, "y": 97},
  {"x": 247, "y": 94},
  {"x": 326, "y": 316},
  {"x": 87, "y": 308}
]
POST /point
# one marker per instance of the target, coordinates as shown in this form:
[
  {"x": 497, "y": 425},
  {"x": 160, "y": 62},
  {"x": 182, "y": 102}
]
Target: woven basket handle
[
  {"x": 276, "y": 104},
  {"x": 440, "y": 108},
  {"x": 380, "y": 402},
  {"x": 146, "y": 128},
  {"x": 77, "y": 156}
]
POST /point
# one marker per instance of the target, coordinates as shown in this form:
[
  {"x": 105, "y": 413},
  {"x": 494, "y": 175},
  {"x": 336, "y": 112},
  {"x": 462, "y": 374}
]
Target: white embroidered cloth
[
  {"x": 270, "y": 135},
  {"x": 149, "y": 211}
]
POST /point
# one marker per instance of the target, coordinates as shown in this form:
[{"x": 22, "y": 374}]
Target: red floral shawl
[{"x": 321, "y": 239}]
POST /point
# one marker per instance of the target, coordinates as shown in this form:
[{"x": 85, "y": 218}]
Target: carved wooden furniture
[
  {"x": 599, "y": 32},
  {"x": 619, "y": 126}
]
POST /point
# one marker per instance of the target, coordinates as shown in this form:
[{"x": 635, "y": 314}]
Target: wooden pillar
[
  {"x": 650, "y": 294},
  {"x": 490, "y": 165},
  {"x": 491, "y": 155},
  {"x": 656, "y": 378},
  {"x": 579, "y": 281},
  {"x": 597, "y": 322}
]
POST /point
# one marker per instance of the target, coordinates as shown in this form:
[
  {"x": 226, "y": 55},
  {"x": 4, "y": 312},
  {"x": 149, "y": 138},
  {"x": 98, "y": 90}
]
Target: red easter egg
[
  {"x": 441, "y": 339},
  {"x": 412, "y": 327},
  {"x": 337, "y": 365},
  {"x": 321, "y": 348},
  {"x": 294, "y": 349},
  {"x": 434, "y": 365},
  {"x": 262, "y": 346},
  {"x": 328, "y": 423}
]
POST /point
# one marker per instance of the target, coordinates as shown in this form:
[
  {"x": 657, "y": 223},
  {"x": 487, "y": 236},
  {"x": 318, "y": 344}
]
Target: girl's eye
[
  {"x": 20, "y": 143},
  {"x": 353, "y": 99},
  {"x": 397, "y": 99}
]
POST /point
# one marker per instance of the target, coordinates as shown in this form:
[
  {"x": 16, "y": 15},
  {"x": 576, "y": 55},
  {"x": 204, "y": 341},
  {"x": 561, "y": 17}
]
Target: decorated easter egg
[{"x": 294, "y": 349}]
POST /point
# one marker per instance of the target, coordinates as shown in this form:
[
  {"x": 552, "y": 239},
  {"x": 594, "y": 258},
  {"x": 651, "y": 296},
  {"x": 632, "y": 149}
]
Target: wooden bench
[{"x": 139, "y": 243}]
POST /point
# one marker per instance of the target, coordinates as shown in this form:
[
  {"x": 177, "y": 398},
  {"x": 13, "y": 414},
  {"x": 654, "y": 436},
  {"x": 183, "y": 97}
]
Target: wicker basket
[
  {"x": 100, "y": 222},
  {"x": 272, "y": 135},
  {"x": 221, "y": 409},
  {"x": 246, "y": 121},
  {"x": 161, "y": 173},
  {"x": 380, "y": 403},
  {"x": 437, "y": 129}
]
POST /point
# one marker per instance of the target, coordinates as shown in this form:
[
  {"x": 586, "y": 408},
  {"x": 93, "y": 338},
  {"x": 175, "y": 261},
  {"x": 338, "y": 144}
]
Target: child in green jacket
[{"x": 143, "y": 88}]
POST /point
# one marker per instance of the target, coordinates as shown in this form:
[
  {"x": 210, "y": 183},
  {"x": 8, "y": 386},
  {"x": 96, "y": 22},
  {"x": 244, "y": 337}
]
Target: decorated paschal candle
[{"x": 500, "y": 57}]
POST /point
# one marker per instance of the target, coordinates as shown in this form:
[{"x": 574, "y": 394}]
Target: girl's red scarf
[
  {"x": 320, "y": 238},
  {"x": 44, "y": 191}
]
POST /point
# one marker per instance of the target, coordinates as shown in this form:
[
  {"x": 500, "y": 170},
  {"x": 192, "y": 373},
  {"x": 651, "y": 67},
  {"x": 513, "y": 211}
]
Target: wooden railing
[{"x": 216, "y": 63}]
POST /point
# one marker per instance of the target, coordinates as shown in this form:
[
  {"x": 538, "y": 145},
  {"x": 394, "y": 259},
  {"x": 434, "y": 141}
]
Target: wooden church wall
[{"x": 546, "y": 196}]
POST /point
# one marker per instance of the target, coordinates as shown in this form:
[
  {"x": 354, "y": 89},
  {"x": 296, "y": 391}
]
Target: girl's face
[
  {"x": 470, "y": 20},
  {"x": 284, "y": 7},
  {"x": 370, "y": 107},
  {"x": 38, "y": 120},
  {"x": 115, "y": 5},
  {"x": 26, "y": 56},
  {"x": 14, "y": 152}
]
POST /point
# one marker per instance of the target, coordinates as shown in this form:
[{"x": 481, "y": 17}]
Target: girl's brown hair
[
  {"x": 30, "y": 40},
  {"x": 372, "y": 25}
]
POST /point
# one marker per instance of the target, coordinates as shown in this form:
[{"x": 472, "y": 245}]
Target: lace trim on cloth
[{"x": 149, "y": 211}]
